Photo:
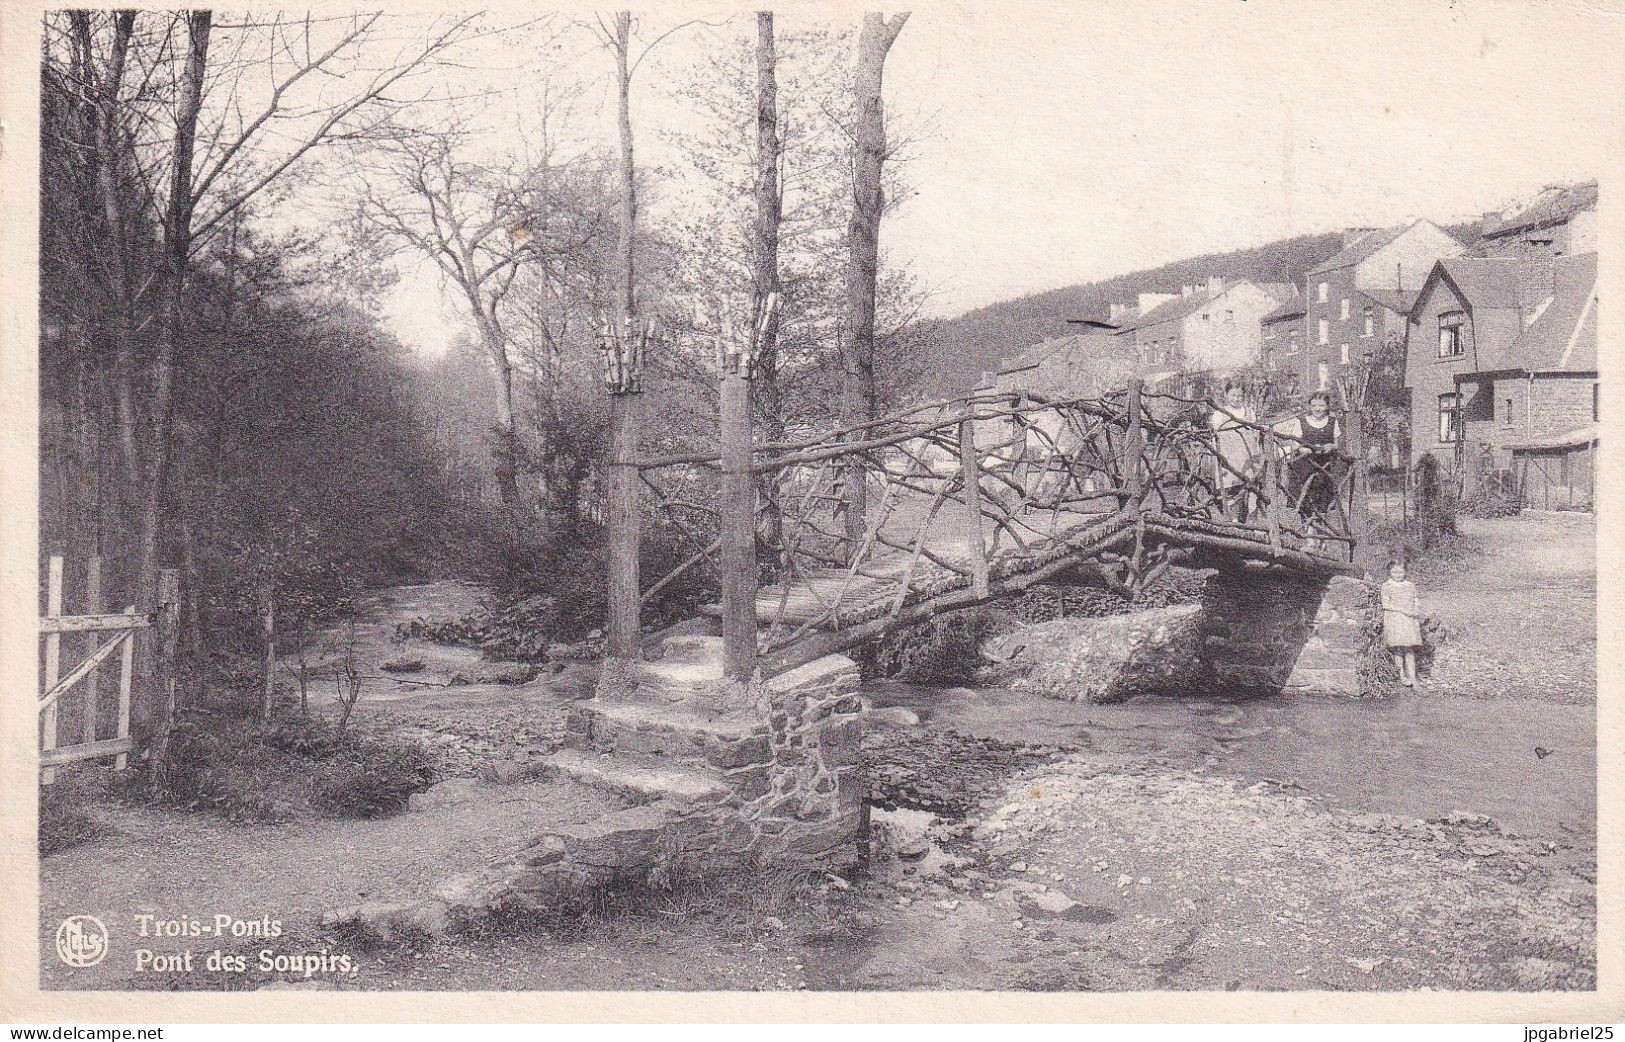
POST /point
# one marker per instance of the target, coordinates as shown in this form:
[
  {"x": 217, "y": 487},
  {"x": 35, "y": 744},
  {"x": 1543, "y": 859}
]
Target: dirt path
[{"x": 1522, "y": 617}]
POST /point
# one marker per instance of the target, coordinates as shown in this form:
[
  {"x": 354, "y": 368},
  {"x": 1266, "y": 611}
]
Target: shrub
[
  {"x": 63, "y": 822},
  {"x": 292, "y": 769}
]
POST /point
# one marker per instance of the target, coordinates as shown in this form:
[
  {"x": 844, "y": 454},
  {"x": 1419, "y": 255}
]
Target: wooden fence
[{"x": 82, "y": 682}]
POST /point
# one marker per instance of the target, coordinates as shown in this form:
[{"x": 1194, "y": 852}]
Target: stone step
[
  {"x": 641, "y": 777},
  {"x": 678, "y": 732}
]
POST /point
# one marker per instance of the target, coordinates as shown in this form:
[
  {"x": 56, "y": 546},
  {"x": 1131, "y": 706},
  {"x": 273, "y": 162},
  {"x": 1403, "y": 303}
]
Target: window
[
  {"x": 1292, "y": 341},
  {"x": 1451, "y": 339},
  {"x": 1343, "y": 310},
  {"x": 1325, "y": 377},
  {"x": 1506, "y": 412},
  {"x": 1206, "y": 316},
  {"x": 1343, "y": 353},
  {"x": 1229, "y": 316},
  {"x": 1325, "y": 332},
  {"x": 1449, "y": 418},
  {"x": 1269, "y": 332},
  {"x": 1370, "y": 323},
  {"x": 1321, "y": 293},
  {"x": 1596, "y": 412}
]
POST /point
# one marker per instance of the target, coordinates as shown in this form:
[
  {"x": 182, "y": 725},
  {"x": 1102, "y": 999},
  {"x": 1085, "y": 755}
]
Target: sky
[{"x": 1061, "y": 143}]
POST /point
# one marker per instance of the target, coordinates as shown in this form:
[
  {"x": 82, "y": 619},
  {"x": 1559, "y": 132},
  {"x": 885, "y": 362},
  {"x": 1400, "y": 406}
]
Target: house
[
  {"x": 1560, "y": 221},
  {"x": 1281, "y": 343},
  {"x": 1083, "y": 365},
  {"x": 1502, "y": 366},
  {"x": 1208, "y": 328},
  {"x": 1362, "y": 294}
]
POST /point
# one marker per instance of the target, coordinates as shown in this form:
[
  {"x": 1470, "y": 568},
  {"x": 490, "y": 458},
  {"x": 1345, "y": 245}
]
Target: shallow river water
[{"x": 1415, "y": 755}]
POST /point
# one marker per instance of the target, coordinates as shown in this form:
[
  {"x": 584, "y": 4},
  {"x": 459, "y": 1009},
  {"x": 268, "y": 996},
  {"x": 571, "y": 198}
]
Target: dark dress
[{"x": 1318, "y": 472}]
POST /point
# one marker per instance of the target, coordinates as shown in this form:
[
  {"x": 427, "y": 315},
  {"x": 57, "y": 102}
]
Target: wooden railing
[{"x": 967, "y": 498}]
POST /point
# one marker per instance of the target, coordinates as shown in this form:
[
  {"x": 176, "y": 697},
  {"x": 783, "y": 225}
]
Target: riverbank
[{"x": 1443, "y": 838}]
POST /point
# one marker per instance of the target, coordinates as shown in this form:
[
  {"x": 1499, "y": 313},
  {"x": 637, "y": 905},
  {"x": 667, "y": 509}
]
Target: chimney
[
  {"x": 1185, "y": 291},
  {"x": 1350, "y": 234},
  {"x": 1215, "y": 285}
]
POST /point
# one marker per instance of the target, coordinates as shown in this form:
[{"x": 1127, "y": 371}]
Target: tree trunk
[
  {"x": 766, "y": 256},
  {"x": 624, "y": 636},
  {"x": 172, "y": 273},
  {"x": 859, "y": 397},
  {"x": 506, "y": 449}
]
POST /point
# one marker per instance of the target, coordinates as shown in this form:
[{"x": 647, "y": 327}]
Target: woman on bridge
[{"x": 1316, "y": 461}]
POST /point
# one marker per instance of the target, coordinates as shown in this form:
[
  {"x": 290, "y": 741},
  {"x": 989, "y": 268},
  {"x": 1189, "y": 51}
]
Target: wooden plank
[
  {"x": 93, "y": 604},
  {"x": 53, "y": 656},
  {"x": 125, "y": 674},
  {"x": 48, "y": 700},
  {"x": 92, "y": 623},
  {"x": 118, "y": 747}
]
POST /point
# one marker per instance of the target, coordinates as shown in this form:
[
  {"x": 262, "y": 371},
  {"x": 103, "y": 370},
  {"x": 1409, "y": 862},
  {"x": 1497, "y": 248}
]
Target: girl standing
[
  {"x": 1401, "y": 621},
  {"x": 1236, "y": 448}
]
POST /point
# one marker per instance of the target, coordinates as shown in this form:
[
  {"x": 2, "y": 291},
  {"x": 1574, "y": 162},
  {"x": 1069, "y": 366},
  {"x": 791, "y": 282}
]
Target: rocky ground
[{"x": 1019, "y": 842}]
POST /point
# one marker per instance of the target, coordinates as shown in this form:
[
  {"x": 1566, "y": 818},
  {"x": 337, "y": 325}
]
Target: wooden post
[
  {"x": 93, "y": 606},
  {"x": 1275, "y": 485},
  {"x": 126, "y": 674},
  {"x": 623, "y": 368},
  {"x": 1359, "y": 552},
  {"x": 53, "y": 658},
  {"x": 971, "y": 468},
  {"x": 168, "y": 630},
  {"x": 1134, "y": 445},
  {"x": 268, "y": 620},
  {"x": 738, "y": 526}
]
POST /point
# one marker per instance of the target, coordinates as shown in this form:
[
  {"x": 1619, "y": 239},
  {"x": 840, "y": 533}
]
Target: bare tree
[
  {"x": 859, "y": 395},
  {"x": 483, "y": 224}
]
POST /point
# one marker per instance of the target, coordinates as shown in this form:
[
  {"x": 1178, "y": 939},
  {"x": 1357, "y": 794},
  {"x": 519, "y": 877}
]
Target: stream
[{"x": 1415, "y": 755}]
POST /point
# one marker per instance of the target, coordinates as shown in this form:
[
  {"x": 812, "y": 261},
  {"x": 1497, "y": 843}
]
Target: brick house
[
  {"x": 1211, "y": 328},
  {"x": 1559, "y": 222},
  {"x": 1281, "y": 344},
  {"x": 1501, "y": 362},
  {"x": 1363, "y": 293}
]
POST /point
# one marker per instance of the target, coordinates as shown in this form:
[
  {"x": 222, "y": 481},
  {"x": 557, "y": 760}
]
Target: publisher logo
[{"x": 81, "y": 940}]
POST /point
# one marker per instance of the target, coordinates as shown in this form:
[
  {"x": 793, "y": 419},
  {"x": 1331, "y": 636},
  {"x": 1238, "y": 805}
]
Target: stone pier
[
  {"x": 1265, "y": 632},
  {"x": 712, "y": 774}
]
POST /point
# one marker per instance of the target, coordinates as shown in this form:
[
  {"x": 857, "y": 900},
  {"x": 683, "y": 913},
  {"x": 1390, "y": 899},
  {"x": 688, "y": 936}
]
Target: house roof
[
  {"x": 1361, "y": 248},
  {"x": 1554, "y": 205},
  {"x": 1574, "y": 439},
  {"x": 1563, "y": 335},
  {"x": 1482, "y": 282},
  {"x": 1294, "y": 308},
  {"x": 1168, "y": 310},
  {"x": 1398, "y": 301},
  {"x": 1285, "y": 292}
]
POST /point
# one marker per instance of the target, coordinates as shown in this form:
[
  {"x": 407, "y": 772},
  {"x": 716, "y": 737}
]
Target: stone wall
[{"x": 1265, "y": 633}]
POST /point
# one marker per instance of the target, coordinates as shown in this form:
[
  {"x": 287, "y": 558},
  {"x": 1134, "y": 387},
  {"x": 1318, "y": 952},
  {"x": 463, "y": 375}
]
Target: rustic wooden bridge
[{"x": 826, "y": 542}]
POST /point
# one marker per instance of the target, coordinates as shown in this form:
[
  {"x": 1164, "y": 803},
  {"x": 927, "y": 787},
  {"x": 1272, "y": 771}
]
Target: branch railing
[{"x": 971, "y": 496}]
